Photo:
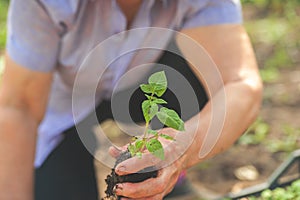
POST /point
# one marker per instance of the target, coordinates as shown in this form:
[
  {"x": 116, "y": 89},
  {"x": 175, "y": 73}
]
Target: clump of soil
[{"x": 113, "y": 179}]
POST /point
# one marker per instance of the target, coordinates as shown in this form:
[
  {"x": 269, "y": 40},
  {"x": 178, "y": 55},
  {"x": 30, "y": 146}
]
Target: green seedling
[{"x": 153, "y": 107}]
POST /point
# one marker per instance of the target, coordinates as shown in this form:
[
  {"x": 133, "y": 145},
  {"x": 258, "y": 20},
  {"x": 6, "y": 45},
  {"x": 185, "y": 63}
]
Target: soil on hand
[{"x": 113, "y": 178}]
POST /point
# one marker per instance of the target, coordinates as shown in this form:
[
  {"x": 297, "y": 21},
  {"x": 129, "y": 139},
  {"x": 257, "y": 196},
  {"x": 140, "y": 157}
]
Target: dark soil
[{"x": 113, "y": 179}]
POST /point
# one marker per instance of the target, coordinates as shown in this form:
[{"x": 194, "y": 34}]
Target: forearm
[
  {"x": 225, "y": 117},
  {"x": 228, "y": 70},
  {"x": 17, "y": 148}
]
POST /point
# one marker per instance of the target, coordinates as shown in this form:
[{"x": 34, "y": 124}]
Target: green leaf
[
  {"x": 153, "y": 110},
  {"x": 158, "y": 81},
  {"x": 159, "y": 101},
  {"x": 139, "y": 144},
  {"x": 139, "y": 154},
  {"x": 153, "y": 132},
  {"x": 147, "y": 88},
  {"x": 146, "y": 109},
  {"x": 158, "y": 78},
  {"x": 167, "y": 137},
  {"x": 158, "y": 89},
  {"x": 149, "y": 109},
  {"x": 155, "y": 147},
  {"x": 148, "y": 96},
  {"x": 296, "y": 185},
  {"x": 170, "y": 118},
  {"x": 132, "y": 149}
]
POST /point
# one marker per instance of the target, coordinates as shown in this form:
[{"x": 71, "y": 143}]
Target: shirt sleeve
[
  {"x": 213, "y": 12},
  {"x": 33, "y": 39}
]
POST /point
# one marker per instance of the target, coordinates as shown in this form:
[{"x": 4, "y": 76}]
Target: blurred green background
[
  {"x": 274, "y": 27},
  {"x": 3, "y": 16}
]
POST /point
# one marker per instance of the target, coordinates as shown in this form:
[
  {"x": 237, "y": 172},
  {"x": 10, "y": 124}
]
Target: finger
[
  {"x": 156, "y": 197},
  {"x": 147, "y": 188},
  {"x": 153, "y": 187},
  {"x": 114, "y": 151},
  {"x": 135, "y": 164}
]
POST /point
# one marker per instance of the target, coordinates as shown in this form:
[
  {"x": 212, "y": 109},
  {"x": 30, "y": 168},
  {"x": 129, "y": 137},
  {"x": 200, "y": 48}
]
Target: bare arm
[
  {"x": 23, "y": 98},
  {"x": 238, "y": 96}
]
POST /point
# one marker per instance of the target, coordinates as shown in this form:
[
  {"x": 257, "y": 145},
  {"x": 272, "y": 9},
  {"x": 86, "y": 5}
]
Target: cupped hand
[{"x": 153, "y": 188}]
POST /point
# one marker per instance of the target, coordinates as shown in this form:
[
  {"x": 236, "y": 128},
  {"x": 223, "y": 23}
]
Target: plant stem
[
  {"x": 146, "y": 127},
  {"x": 145, "y": 131},
  {"x": 147, "y": 123}
]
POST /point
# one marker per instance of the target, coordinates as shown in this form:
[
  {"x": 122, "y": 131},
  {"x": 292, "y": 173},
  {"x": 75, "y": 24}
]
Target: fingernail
[
  {"x": 117, "y": 188},
  {"x": 121, "y": 169}
]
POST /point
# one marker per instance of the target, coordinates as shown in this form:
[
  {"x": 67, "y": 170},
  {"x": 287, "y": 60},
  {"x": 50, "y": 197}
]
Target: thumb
[{"x": 115, "y": 151}]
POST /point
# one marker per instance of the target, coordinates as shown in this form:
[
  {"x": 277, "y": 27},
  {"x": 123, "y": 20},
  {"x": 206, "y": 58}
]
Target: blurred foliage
[
  {"x": 3, "y": 17},
  {"x": 277, "y": 7},
  {"x": 258, "y": 134},
  {"x": 255, "y": 134},
  {"x": 274, "y": 28},
  {"x": 289, "y": 142},
  {"x": 274, "y": 31},
  {"x": 291, "y": 192}
]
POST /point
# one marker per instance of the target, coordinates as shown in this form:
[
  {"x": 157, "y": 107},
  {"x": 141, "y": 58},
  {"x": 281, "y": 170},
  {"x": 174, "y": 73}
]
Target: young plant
[
  {"x": 149, "y": 140},
  {"x": 153, "y": 107}
]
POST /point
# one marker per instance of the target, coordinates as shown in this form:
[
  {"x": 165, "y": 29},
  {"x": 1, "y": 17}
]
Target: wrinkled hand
[{"x": 153, "y": 188}]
